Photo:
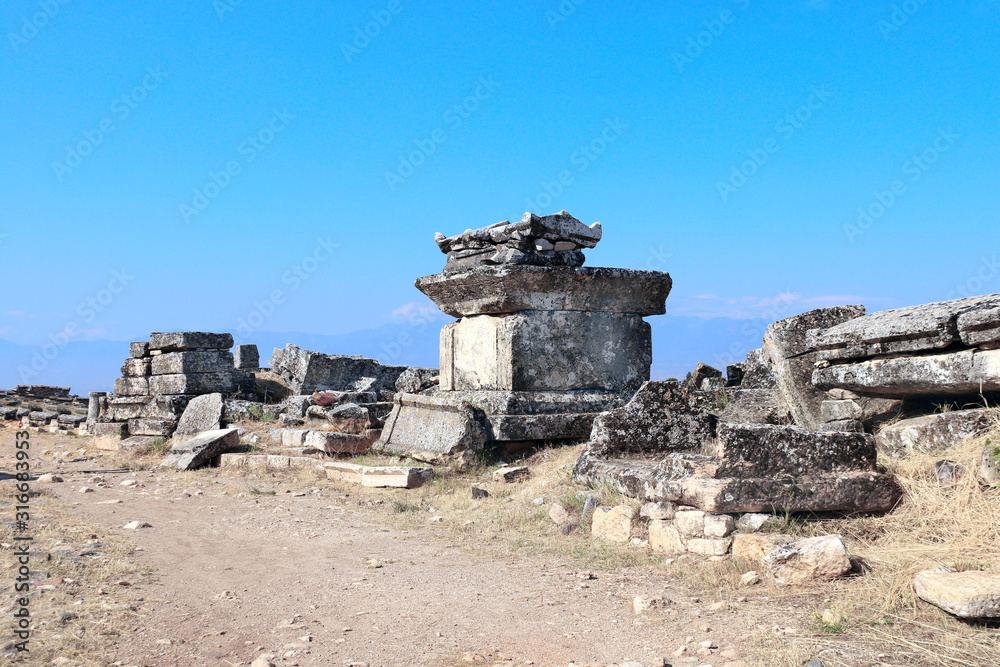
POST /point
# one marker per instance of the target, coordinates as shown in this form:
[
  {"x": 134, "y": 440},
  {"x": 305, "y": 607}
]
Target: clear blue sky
[{"x": 115, "y": 115}]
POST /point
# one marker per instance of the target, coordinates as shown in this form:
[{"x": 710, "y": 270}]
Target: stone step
[{"x": 404, "y": 477}]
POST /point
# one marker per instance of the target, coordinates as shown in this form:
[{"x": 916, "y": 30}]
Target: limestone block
[
  {"x": 511, "y": 474},
  {"x": 690, "y": 523},
  {"x": 195, "y": 361},
  {"x": 136, "y": 368},
  {"x": 763, "y": 449},
  {"x": 434, "y": 430},
  {"x": 963, "y": 372},
  {"x": 332, "y": 442},
  {"x": 132, "y": 386},
  {"x": 613, "y": 524},
  {"x": 189, "y": 340},
  {"x": 925, "y": 327},
  {"x": 293, "y": 437},
  {"x": 246, "y": 357},
  {"x": 203, "y": 413},
  {"x": 517, "y": 428},
  {"x": 494, "y": 290},
  {"x": 664, "y": 537},
  {"x": 306, "y": 371},
  {"x": 718, "y": 525},
  {"x": 933, "y": 433},
  {"x": 201, "y": 449},
  {"x": 138, "y": 350},
  {"x": 972, "y": 594},
  {"x": 980, "y": 327},
  {"x": 546, "y": 351},
  {"x": 715, "y": 546},
  {"x": 402, "y": 477},
  {"x": 107, "y": 435},
  {"x": 792, "y": 359},
  {"x": 192, "y": 383},
  {"x": 155, "y": 427},
  {"x": 808, "y": 561},
  {"x": 835, "y": 410},
  {"x": 661, "y": 511}
]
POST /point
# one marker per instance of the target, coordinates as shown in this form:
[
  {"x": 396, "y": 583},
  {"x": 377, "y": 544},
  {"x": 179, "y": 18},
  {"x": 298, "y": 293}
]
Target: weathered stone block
[
  {"x": 494, "y": 290},
  {"x": 792, "y": 359},
  {"x": 415, "y": 380},
  {"x": 755, "y": 406},
  {"x": 980, "y": 327},
  {"x": 337, "y": 443},
  {"x": 748, "y": 450},
  {"x": 971, "y": 594},
  {"x": 344, "y": 418},
  {"x": 246, "y": 357},
  {"x": 132, "y": 386},
  {"x": 810, "y": 560},
  {"x": 192, "y": 383},
  {"x": 154, "y": 427},
  {"x": 434, "y": 430},
  {"x": 925, "y": 327},
  {"x": 690, "y": 523},
  {"x": 839, "y": 410},
  {"x": 716, "y": 546},
  {"x": 195, "y": 361},
  {"x": 520, "y": 428},
  {"x": 403, "y": 477},
  {"x": 201, "y": 449},
  {"x": 753, "y": 547},
  {"x": 963, "y": 372},
  {"x": 546, "y": 351},
  {"x": 136, "y": 368},
  {"x": 107, "y": 435},
  {"x": 661, "y": 511},
  {"x": 933, "y": 433},
  {"x": 718, "y": 525},
  {"x": 614, "y": 524},
  {"x": 203, "y": 413},
  {"x": 152, "y": 407},
  {"x": 189, "y": 340},
  {"x": 306, "y": 371},
  {"x": 138, "y": 349},
  {"x": 665, "y": 538}
]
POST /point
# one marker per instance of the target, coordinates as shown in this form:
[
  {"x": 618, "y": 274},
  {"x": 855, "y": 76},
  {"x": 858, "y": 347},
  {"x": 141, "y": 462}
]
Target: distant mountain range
[{"x": 678, "y": 344}]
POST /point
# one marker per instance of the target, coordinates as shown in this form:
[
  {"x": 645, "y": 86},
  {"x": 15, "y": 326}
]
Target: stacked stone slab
[
  {"x": 45, "y": 407},
  {"x": 158, "y": 380},
  {"x": 541, "y": 344}
]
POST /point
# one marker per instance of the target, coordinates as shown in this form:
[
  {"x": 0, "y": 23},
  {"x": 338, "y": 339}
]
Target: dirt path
[{"x": 290, "y": 575}]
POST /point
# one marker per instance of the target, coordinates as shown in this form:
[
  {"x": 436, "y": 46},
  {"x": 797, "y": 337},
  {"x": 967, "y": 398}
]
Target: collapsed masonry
[
  {"x": 159, "y": 379},
  {"x": 798, "y": 425},
  {"x": 541, "y": 345},
  {"x": 44, "y": 406}
]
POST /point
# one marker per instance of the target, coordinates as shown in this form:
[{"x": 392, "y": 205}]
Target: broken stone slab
[
  {"x": 201, "y": 449},
  {"x": 511, "y": 474},
  {"x": 138, "y": 350},
  {"x": 246, "y": 357},
  {"x": 151, "y": 407},
  {"x": 554, "y": 228},
  {"x": 132, "y": 386},
  {"x": 192, "y": 383},
  {"x": 757, "y": 372},
  {"x": 792, "y": 359},
  {"x": 614, "y": 524},
  {"x": 930, "y": 326},
  {"x": 266, "y": 461},
  {"x": 933, "y": 433},
  {"x": 136, "y": 367},
  {"x": 434, "y": 430},
  {"x": 757, "y": 450},
  {"x": 753, "y": 547},
  {"x": 195, "y": 361},
  {"x": 546, "y": 351},
  {"x": 333, "y": 443},
  {"x": 415, "y": 380},
  {"x": 661, "y": 417},
  {"x": 703, "y": 372},
  {"x": 523, "y": 428},
  {"x": 183, "y": 341},
  {"x": 496, "y": 290},
  {"x": 344, "y": 418},
  {"x": 155, "y": 427},
  {"x": 238, "y": 410},
  {"x": 203, "y": 413},
  {"x": 807, "y": 561},
  {"x": 971, "y": 594},
  {"x": 955, "y": 373},
  {"x": 306, "y": 371},
  {"x": 980, "y": 327},
  {"x": 402, "y": 477},
  {"x": 135, "y": 442}
]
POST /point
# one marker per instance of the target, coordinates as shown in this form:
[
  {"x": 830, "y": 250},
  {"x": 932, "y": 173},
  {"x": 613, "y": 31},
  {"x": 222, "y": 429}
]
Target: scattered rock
[
  {"x": 199, "y": 450},
  {"x": 754, "y": 547},
  {"x": 538, "y": 502},
  {"x": 569, "y": 528},
  {"x": 613, "y": 524},
  {"x": 971, "y": 594},
  {"x": 813, "y": 559},
  {"x": 948, "y": 473},
  {"x": 136, "y": 525},
  {"x": 478, "y": 493},
  {"x": 559, "y": 515},
  {"x": 750, "y": 578},
  {"x": 641, "y": 604},
  {"x": 86, "y": 489},
  {"x": 49, "y": 478},
  {"x": 511, "y": 474},
  {"x": 989, "y": 469}
]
